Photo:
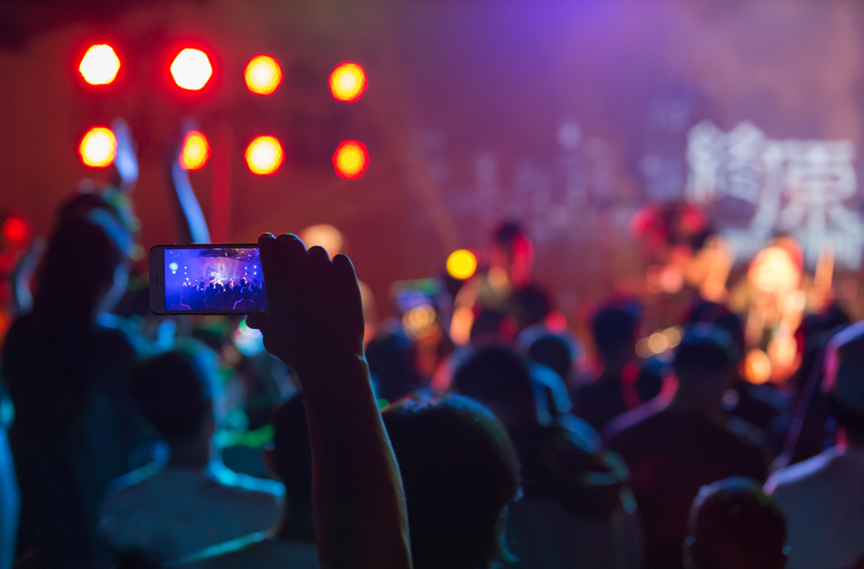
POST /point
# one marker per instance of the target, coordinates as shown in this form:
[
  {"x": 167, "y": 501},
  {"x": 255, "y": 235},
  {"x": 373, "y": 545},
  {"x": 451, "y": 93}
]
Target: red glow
[
  {"x": 264, "y": 155},
  {"x": 348, "y": 82},
  {"x": 351, "y": 159},
  {"x": 15, "y": 228},
  {"x": 196, "y": 151},
  {"x": 191, "y": 69},
  {"x": 100, "y": 65},
  {"x": 98, "y": 147}
]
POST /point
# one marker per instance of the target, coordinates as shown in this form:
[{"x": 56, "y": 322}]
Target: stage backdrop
[{"x": 567, "y": 116}]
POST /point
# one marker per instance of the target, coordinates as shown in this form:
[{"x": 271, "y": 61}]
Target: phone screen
[{"x": 213, "y": 279}]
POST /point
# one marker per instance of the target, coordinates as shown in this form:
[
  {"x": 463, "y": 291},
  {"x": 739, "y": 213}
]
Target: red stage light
[
  {"x": 263, "y": 75},
  {"x": 15, "y": 228},
  {"x": 196, "y": 151},
  {"x": 98, "y": 147},
  {"x": 351, "y": 159},
  {"x": 100, "y": 65},
  {"x": 191, "y": 69},
  {"x": 348, "y": 82},
  {"x": 264, "y": 155}
]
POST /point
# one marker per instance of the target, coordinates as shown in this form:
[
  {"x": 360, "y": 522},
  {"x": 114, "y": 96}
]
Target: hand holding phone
[
  {"x": 315, "y": 315},
  {"x": 206, "y": 279}
]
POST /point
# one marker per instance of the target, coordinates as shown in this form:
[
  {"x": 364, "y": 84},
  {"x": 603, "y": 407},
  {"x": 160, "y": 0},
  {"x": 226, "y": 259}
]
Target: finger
[
  {"x": 347, "y": 292},
  {"x": 258, "y": 320},
  {"x": 293, "y": 250},
  {"x": 276, "y": 273},
  {"x": 319, "y": 259}
]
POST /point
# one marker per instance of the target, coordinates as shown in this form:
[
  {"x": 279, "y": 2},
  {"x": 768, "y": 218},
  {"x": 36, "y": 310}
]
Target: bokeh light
[
  {"x": 461, "y": 264},
  {"x": 351, "y": 159},
  {"x": 264, "y": 155},
  {"x": 757, "y": 367},
  {"x": 195, "y": 152},
  {"x": 15, "y": 228},
  {"x": 98, "y": 147},
  {"x": 348, "y": 82},
  {"x": 323, "y": 235},
  {"x": 263, "y": 75},
  {"x": 100, "y": 65},
  {"x": 191, "y": 69}
]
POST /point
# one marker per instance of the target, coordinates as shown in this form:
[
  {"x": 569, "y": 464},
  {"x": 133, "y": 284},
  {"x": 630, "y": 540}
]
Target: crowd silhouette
[{"x": 145, "y": 441}]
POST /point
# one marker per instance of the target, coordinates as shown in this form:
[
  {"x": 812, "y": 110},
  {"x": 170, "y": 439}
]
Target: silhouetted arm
[
  {"x": 314, "y": 323},
  {"x": 192, "y": 227}
]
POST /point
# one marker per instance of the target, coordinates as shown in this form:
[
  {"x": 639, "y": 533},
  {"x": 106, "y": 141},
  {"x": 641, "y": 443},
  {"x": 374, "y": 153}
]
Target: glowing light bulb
[
  {"x": 461, "y": 264},
  {"x": 100, "y": 65},
  {"x": 196, "y": 151},
  {"x": 98, "y": 147},
  {"x": 351, "y": 159},
  {"x": 264, "y": 155},
  {"x": 348, "y": 82},
  {"x": 15, "y": 228},
  {"x": 263, "y": 75},
  {"x": 191, "y": 69}
]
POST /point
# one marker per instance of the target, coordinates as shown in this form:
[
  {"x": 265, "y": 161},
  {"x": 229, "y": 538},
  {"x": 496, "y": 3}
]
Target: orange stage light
[
  {"x": 461, "y": 264},
  {"x": 264, "y": 155},
  {"x": 263, "y": 75},
  {"x": 15, "y": 228},
  {"x": 196, "y": 151},
  {"x": 348, "y": 82},
  {"x": 351, "y": 159},
  {"x": 98, "y": 147},
  {"x": 191, "y": 69},
  {"x": 100, "y": 65}
]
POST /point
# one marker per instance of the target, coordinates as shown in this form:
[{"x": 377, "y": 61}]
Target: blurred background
[{"x": 622, "y": 135}]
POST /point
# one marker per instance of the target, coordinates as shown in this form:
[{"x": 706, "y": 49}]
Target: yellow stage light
[
  {"x": 264, "y": 155},
  {"x": 348, "y": 82},
  {"x": 100, "y": 65},
  {"x": 351, "y": 159},
  {"x": 263, "y": 75},
  {"x": 461, "y": 264},
  {"x": 191, "y": 69},
  {"x": 98, "y": 147},
  {"x": 196, "y": 151}
]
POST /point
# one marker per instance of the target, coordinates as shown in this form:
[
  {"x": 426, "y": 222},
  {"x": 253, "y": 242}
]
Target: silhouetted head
[
  {"x": 459, "y": 471},
  {"x": 844, "y": 379},
  {"x": 291, "y": 456},
  {"x": 392, "y": 358},
  {"x": 513, "y": 251},
  {"x": 84, "y": 271},
  {"x": 178, "y": 392},
  {"x": 498, "y": 378},
  {"x": 705, "y": 364},
  {"x": 554, "y": 352},
  {"x": 616, "y": 326},
  {"x": 734, "y": 525},
  {"x": 720, "y": 316}
]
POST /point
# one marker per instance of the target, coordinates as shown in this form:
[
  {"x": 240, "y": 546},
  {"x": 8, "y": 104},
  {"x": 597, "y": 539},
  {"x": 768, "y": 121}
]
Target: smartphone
[{"x": 206, "y": 279}]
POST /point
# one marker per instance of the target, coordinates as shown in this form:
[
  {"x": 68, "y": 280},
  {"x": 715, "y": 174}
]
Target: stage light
[
  {"x": 15, "y": 228},
  {"x": 196, "y": 151},
  {"x": 351, "y": 159},
  {"x": 325, "y": 236},
  {"x": 191, "y": 69},
  {"x": 98, "y": 147},
  {"x": 263, "y": 75},
  {"x": 264, "y": 155},
  {"x": 461, "y": 264},
  {"x": 348, "y": 82},
  {"x": 100, "y": 65}
]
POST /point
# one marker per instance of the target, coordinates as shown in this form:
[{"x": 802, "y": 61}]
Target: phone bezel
[{"x": 157, "y": 279}]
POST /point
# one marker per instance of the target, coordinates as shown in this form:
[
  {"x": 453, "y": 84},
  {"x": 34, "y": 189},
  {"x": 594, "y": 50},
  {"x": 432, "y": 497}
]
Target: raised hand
[
  {"x": 126, "y": 160},
  {"x": 315, "y": 313}
]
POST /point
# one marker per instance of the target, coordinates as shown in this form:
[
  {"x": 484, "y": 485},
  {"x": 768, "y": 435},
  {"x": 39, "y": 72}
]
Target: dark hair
[
  {"x": 846, "y": 354},
  {"x": 293, "y": 453},
  {"x": 175, "y": 390},
  {"x": 615, "y": 325},
  {"x": 507, "y": 232},
  {"x": 391, "y": 362},
  {"x": 705, "y": 350},
  {"x": 80, "y": 262},
  {"x": 554, "y": 352},
  {"x": 735, "y": 515},
  {"x": 459, "y": 471},
  {"x": 497, "y": 377},
  {"x": 719, "y": 315}
]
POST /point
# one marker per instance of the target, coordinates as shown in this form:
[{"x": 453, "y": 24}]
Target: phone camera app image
[{"x": 219, "y": 280}]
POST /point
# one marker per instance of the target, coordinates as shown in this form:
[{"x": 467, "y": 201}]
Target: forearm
[{"x": 360, "y": 516}]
